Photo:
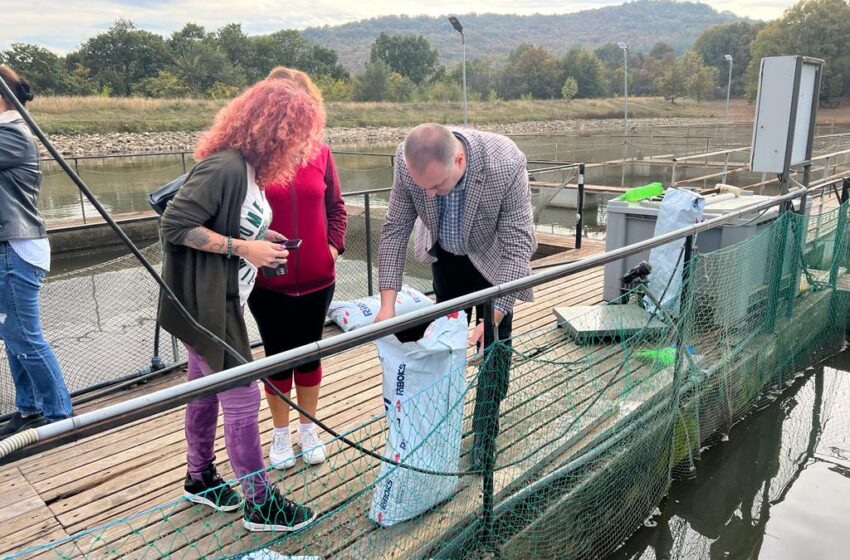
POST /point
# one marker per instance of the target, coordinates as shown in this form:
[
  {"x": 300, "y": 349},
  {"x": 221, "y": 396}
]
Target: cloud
[{"x": 62, "y": 25}]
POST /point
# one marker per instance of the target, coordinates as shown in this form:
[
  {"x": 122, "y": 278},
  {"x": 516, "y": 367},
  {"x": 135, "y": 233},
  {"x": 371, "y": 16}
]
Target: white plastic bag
[
  {"x": 678, "y": 209},
  {"x": 350, "y": 315},
  {"x": 424, "y": 387}
]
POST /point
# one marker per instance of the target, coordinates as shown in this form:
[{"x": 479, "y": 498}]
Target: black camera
[
  {"x": 280, "y": 270},
  {"x": 640, "y": 272},
  {"x": 272, "y": 271}
]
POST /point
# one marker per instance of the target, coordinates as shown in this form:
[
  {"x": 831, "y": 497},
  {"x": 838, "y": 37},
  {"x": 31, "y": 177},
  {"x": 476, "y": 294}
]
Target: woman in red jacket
[{"x": 290, "y": 309}]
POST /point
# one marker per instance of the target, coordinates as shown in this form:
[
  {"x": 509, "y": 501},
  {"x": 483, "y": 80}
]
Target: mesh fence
[
  {"x": 568, "y": 441},
  {"x": 101, "y": 320}
]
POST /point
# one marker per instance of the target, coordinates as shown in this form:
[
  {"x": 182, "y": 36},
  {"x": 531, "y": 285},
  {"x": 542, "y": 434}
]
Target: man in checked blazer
[{"x": 470, "y": 191}]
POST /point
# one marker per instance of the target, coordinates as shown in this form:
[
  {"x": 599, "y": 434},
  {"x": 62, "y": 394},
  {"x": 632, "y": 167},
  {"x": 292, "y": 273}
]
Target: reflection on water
[{"x": 778, "y": 489}]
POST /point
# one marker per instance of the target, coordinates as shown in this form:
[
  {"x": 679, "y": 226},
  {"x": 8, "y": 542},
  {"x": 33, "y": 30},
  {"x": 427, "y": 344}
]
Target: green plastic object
[
  {"x": 661, "y": 356},
  {"x": 642, "y": 193}
]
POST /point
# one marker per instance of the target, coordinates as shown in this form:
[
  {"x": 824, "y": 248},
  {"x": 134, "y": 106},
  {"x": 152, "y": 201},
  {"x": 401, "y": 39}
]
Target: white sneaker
[
  {"x": 281, "y": 455},
  {"x": 312, "y": 448}
]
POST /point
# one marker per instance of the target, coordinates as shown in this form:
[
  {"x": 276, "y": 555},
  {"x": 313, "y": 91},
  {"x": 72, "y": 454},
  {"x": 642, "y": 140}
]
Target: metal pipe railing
[{"x": 172, "y": 397}]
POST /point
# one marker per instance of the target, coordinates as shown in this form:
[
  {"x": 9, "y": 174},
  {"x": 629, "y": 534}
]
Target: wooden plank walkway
[{"x": 126, "y": 472}]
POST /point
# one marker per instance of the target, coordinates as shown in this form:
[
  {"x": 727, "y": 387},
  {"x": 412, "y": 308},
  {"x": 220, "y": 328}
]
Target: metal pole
[
  {"x": 580, "y": 205},
  {"x": 626, "y": 88},
  {"x": 487, "y": 376},
  {"x": 183, "y": 158},
  {"x": 82, "y": 203},
  {"x": 465, "y": 109},
  {"x": 728, "y": 88},
  {"x": 368, "y": 215}
]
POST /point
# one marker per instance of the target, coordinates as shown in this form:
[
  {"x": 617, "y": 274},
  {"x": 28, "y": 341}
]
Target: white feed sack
[
  {"x": 350, "y": 315},
  {"x": 424, "y": 386}
]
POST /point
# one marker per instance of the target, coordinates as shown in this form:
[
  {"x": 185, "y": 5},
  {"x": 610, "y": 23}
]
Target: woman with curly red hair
[{"x": 215, "y": 236}]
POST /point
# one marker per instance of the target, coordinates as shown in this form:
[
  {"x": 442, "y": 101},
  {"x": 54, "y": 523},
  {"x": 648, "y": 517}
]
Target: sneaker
[
  {"x": 312, "y": 448},
  {"x": 18, "y": 423},
  {"x": 281, "y": 455},
  {"x": 277, "y": 514},
  {"x": 212, "y": 491}
]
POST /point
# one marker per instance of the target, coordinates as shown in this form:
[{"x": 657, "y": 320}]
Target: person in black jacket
[
  {"x": 215, "y": 237},
  {"x": 40, "y": 392}
]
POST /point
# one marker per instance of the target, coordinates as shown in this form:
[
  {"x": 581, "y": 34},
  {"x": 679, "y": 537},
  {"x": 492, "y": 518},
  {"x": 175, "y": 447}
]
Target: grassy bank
[{"x": 89, "y": 115}]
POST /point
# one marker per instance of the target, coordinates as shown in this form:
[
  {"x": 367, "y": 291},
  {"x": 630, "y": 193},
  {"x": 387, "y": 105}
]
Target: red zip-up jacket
[{"x": 309, "y": 208}]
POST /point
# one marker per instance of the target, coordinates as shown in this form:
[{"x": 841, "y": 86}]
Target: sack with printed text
[
  {"x": 424, "y": 386},
  {"x": 350, "y": 315}
]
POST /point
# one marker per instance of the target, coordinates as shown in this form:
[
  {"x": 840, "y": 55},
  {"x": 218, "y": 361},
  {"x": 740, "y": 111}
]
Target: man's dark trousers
[{"x": 455, "y": 276}]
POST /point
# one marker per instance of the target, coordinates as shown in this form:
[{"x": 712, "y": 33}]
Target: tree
[
  {"x": 817, "y": 28},
  {"x": 670, "y": 83},
  {"x": 44, "y": 70},
  {"x": 700, "y": 80},
  {"x": 122, "y": 56},
  {"x": 482, "y": 76},
  {"x": 238, "y": 47},
  {"x": 335, "y": 90},
  {"x": 569, "y": 89},
  {"x": 661, "y": 51},
  {"x": 611, "y": 57},
  {"x": 199, "y": 63},
  {"x": 372, "y": 85},
  {"x": 588, "y": 72},
  {"x": 532, "y": 70},
  {"x": 164, "y": 85},
  {"x": 408, "y": 55},
  {"x": 399, "y": 88},
  {"x": 733, "y": 39},
  {"x": 288, "y": 47}
]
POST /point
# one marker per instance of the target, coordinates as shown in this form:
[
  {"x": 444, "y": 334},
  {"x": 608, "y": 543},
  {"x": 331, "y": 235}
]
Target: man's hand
[
  {"x": 477, "y": 336},
  {"x": 387, "y": 310},
  {"x": 334, "y": 252}
]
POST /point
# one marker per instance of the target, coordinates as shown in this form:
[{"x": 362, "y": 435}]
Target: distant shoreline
[{"x": 142, "y": 142}]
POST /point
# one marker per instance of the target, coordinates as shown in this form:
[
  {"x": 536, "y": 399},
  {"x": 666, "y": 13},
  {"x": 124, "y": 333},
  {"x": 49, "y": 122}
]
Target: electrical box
[
  {"x": 632, "y": 222},
  {"x": 786, "y": 108}
]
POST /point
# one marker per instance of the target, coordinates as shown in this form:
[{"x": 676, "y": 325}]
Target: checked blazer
[{"x": 498, "y": 220}]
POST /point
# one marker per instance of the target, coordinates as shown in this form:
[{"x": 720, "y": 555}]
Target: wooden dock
[{"x": 125, "y": 472}]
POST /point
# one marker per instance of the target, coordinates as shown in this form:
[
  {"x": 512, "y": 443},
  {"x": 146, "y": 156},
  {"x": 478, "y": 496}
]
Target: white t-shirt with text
[{"x": 254, "y": 220}]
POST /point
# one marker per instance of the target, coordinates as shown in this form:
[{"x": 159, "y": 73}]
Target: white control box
[{"x": 786, "y": 108}]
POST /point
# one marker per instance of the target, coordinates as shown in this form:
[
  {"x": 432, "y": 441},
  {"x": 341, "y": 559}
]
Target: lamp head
[
  {"x": 728, "y": 57},
  {"x": 456, "y": 24},
  {"x": 622, "y": 45}
]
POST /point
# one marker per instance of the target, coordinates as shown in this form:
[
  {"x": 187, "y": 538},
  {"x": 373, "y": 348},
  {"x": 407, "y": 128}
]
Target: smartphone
[
  {"x": 291, "y": 244},
  {"x": 280, "y": 270}
]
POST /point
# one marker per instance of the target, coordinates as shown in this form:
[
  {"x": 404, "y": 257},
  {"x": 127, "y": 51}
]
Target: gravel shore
[{"x": 130, "y": 143}]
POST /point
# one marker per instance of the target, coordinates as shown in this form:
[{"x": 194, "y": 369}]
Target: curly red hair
[{"x": 275, "y": 125}]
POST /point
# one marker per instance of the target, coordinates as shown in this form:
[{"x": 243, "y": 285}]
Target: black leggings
[{"x": 287, "y": 322}]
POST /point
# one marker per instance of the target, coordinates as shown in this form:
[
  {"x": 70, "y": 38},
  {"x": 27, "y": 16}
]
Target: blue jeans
[{"x": 39, "y": 386}]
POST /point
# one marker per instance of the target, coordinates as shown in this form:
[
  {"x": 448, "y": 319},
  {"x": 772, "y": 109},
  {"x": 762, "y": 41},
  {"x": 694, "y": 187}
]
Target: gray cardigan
[
  {"x": 206, "y": 283},
  {"x": 20, "y": 181}
]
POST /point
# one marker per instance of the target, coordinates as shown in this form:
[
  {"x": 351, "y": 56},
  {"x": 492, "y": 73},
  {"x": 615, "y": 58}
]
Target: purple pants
[{"x": 241, "y": 407}]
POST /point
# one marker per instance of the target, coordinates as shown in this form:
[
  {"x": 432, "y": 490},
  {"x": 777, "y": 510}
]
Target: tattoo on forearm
[{"x": 197, "y": 238}]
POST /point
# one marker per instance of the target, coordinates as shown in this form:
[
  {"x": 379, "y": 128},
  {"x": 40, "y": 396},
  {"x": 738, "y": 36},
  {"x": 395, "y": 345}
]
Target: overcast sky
[{"x": 61, "y": 25}]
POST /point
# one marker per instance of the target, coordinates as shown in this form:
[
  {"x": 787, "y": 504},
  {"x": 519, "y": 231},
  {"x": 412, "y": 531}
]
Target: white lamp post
[
  {"x": 729, "y": 59},
  {"x": 456, "y": 24},
  {"x": 625, "y": 48}
]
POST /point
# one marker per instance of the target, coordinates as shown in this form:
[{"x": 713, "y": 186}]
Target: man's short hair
[{"x": 428, "y": 143}]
